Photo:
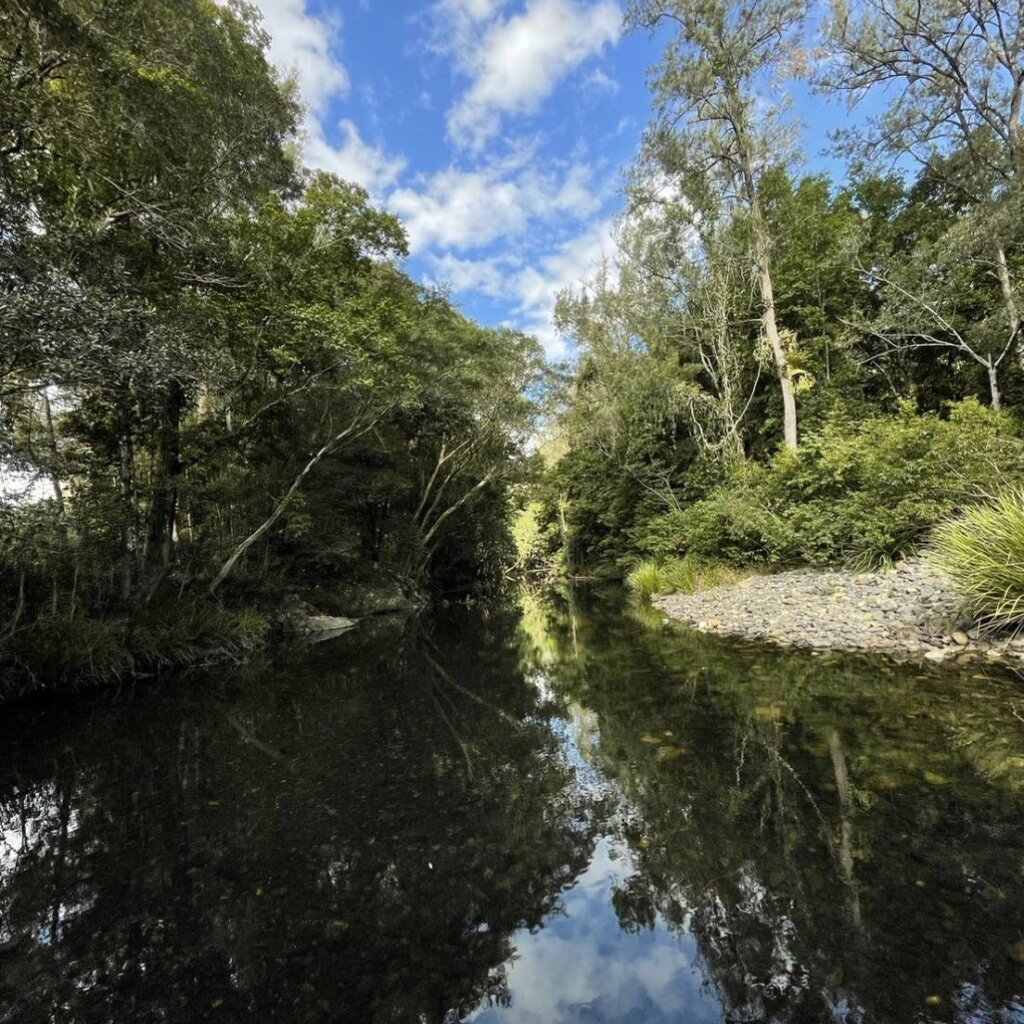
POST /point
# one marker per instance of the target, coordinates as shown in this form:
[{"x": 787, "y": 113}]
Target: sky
[{"x": 498, "y": 130}]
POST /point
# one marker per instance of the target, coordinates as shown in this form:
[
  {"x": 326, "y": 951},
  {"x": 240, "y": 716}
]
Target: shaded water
[{"x": 568, "y": 813}]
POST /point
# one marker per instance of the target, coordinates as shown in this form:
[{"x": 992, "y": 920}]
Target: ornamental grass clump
[{"x": 982, "y": 550}]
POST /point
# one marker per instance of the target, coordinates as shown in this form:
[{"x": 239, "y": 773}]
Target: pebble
[{"x": 909, "y": 610}]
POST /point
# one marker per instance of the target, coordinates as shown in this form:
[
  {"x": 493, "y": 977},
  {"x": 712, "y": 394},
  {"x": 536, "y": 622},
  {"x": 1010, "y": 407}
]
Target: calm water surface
[{"x": 563, "y": 812}]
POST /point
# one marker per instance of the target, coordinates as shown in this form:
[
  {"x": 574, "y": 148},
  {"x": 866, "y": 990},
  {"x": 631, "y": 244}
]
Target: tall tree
[{"x": 715, "y": 138}]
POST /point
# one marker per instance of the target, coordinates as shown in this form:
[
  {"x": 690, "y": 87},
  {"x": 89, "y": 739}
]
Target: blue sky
[{"x": 497, "y": 129}]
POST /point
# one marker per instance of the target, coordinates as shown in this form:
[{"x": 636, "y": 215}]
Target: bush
[
  {"x": 94, "y": 650},
  {"x": 854, "y": 493},
  {"x": 982, "y": 549},
  {"x": 679, "y": 576}
]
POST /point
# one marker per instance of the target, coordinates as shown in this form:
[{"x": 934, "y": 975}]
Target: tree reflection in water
[
  {"x": 843, "y": 837},
  {"x": 518, "y": 818},
  {"x": 354, "y": 839}
]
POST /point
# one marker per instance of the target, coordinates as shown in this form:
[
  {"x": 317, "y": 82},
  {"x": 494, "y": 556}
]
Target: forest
[
  {"x": 221, "y": 391},
  {"x": 676, "y": 681},
  {"x": 784, "y": 368},
  {"x": 218, "y": 386}
]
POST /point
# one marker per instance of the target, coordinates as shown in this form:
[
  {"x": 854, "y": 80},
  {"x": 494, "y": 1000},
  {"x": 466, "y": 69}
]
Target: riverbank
[
  {"x": 57, "y": 654},
  {"x": 907, "y": 611}
]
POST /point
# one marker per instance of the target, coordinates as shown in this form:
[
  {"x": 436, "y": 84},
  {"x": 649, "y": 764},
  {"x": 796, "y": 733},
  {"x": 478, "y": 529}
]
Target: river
[{"x": 557, "y": 811}]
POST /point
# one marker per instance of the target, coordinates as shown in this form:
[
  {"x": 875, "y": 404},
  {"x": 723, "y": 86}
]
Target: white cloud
[
  {"x": 304, "y": 45},
  {"x": 530, "y": 285},
  {"x": 569, "y": 970},
  {"x": 355, "y": 160},
  {"x": 458, "y": 209},
  {"x": 513, "y": 229},
  {"x": 515, "y": 62},
  {"x": 600, "y": 81},
  {"x": 537, "y": 285},
  {"x": 488, "y": 276}
]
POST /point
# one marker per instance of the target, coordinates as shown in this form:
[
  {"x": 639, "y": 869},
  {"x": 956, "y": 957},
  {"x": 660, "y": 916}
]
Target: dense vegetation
[
  {"x": 780, "y": 368},
  {"x": 217, "y": 384},
  {"x": 219, "y": 390}
]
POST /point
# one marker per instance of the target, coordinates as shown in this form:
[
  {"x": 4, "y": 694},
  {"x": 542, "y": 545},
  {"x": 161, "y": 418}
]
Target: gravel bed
[{"x": 909, "y": 611}]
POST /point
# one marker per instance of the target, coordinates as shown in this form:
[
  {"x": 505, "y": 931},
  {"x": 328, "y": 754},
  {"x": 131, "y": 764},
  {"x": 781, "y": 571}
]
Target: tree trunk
[
  {"x": 350, "y": 432},
  {"x": 126, "y": 470},
  {"x": 164, "y": 500},
  {"x": 431, "y": 531},
  {"x": 1012, "y": 314},
  {"x": 58, "y": 491},
  {"x": 771, "y": 331},
  {"x": 993, "y": 384},
  {"x": 762, "y": 257}
]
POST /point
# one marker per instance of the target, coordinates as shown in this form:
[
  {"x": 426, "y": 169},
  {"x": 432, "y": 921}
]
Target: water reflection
[
  {"x": 843, "y": 839},
  {"x": 353, "y": 838},
  {"x": 554, "y": 814}
]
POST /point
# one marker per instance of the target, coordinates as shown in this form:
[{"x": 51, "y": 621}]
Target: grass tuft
[
  {"x": 82, "y": 651},
  {"x": 679, "y": 576},
  {"x": 982, "y": 550}
]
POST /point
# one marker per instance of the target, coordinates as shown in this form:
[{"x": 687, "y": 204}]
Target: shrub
[
  {"x": 645, "y": 578},
  {"x": 855, "y": 492},
  {"x": 982, "y": 549}
]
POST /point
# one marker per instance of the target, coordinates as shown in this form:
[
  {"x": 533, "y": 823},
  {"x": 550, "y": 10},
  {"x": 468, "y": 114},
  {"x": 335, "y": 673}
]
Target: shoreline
[
  {"x": 195, "y": 637},
  {"x": 909, "y": 611}
]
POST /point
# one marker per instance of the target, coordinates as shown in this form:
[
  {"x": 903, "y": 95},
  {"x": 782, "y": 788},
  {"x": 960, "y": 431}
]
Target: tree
[
  {"x": 956, "y": 73},
  {"x": 210, "y": 356},
  {"x": 709, "y": 139}
]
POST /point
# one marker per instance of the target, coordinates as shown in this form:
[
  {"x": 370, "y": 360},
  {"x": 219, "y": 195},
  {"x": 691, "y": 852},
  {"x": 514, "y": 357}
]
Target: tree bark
[
  {"x": 993, "y": 385},
  {"x": 762, "y": 257},
  {"x": 771, "y": 330},
  {"x": 1005, "y": 285}
]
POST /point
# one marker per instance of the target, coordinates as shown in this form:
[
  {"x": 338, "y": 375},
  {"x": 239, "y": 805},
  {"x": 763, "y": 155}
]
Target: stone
[
  {"x": 910, "y": 612},
  {"x": 316, "y": 624}
]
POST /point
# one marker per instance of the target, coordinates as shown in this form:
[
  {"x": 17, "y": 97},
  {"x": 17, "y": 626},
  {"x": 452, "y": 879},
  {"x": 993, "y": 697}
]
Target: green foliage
[
  {"x": 687, "y": 575},
  {"x": 646, "y": 579},
  {"x": 875, "y": 313},
  {"x": 854, "y": 493},
  {"x": 982, "y": 549},
  {"x": 211, "y": 357},
  {"x": 99, "y": 650}
]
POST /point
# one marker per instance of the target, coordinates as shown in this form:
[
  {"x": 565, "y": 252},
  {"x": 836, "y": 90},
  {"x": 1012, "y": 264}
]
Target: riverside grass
[
  {"x": 95, "y": 651},
  {"x": 982, "y": 550},
  {"x": 680, "y": 576}
]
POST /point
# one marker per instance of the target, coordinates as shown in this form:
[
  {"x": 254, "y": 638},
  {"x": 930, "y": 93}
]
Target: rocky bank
[{"x": 909, "y": 611}]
